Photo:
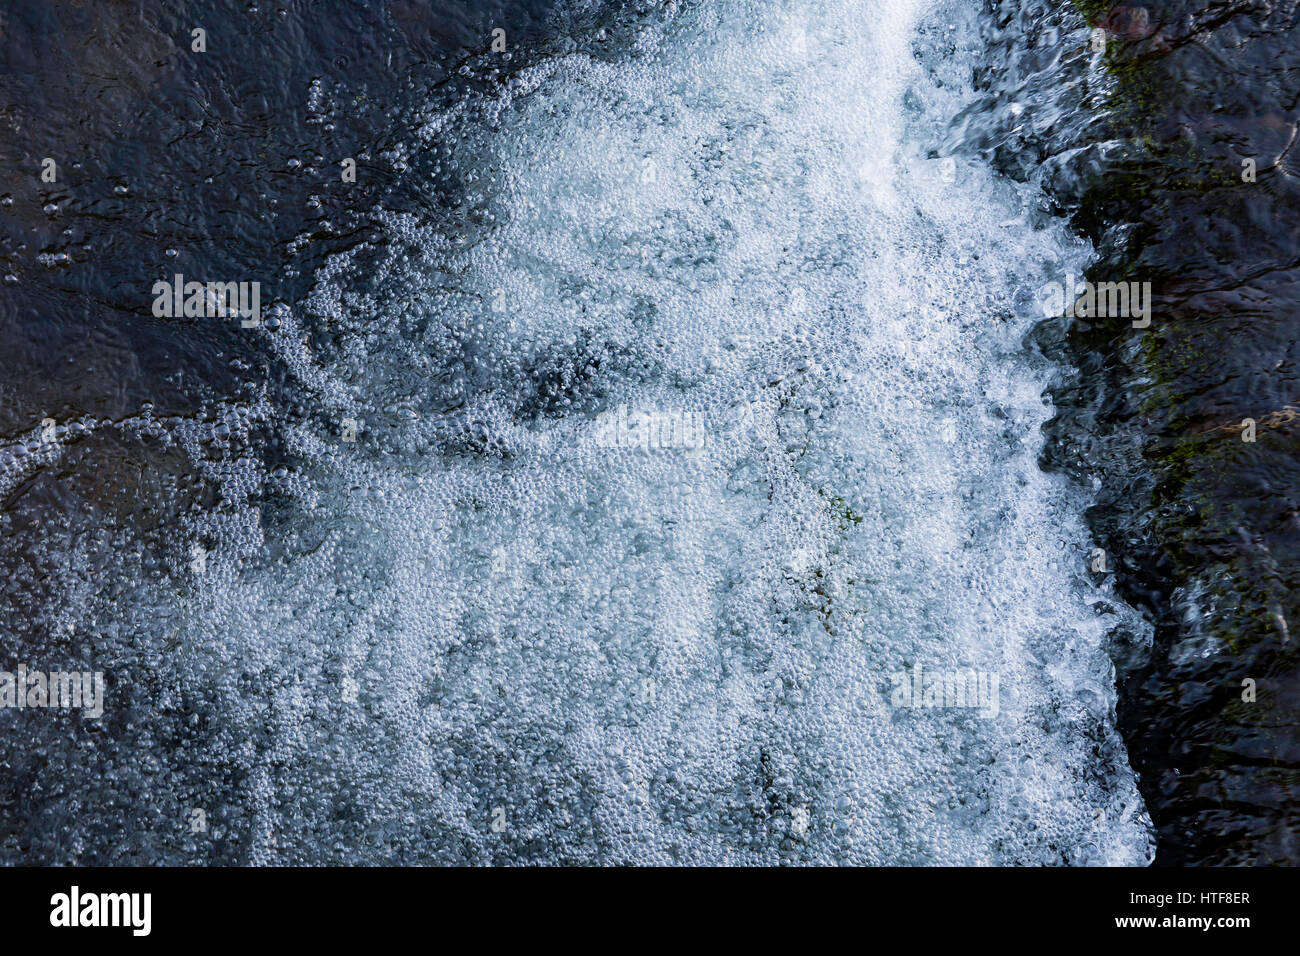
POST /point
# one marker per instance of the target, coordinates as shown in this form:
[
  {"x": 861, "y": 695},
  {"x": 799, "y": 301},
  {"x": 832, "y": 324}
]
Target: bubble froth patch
[{"x": 484, "y": 630}]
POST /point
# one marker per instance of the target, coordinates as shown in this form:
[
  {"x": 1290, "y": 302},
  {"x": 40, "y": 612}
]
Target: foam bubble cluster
[{"x": 502, "y": 624}]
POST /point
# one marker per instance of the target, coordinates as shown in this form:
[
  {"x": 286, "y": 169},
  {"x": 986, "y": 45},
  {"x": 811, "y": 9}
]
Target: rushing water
[{"x": 388, "y": 579}]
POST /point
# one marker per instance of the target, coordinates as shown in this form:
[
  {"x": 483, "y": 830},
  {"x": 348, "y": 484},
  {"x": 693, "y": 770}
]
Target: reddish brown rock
[{"x": 1127, "y": 23}]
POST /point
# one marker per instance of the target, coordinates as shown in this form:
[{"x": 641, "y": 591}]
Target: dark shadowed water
[{"x": 1200, "y": 522}]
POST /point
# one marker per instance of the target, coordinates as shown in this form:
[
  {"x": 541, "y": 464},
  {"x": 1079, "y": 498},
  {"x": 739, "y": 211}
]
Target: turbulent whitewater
[{"x": 626, "y": 479}]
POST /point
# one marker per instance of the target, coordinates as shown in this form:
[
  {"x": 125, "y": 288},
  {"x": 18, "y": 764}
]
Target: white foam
[{"x": 664, "y": 654}]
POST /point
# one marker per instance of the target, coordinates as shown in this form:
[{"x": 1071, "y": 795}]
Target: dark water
[
  {"x": 1215, "y": 561},
  {"x": 1201, "y": 525},
  {"x": 173, "y": 432}
]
